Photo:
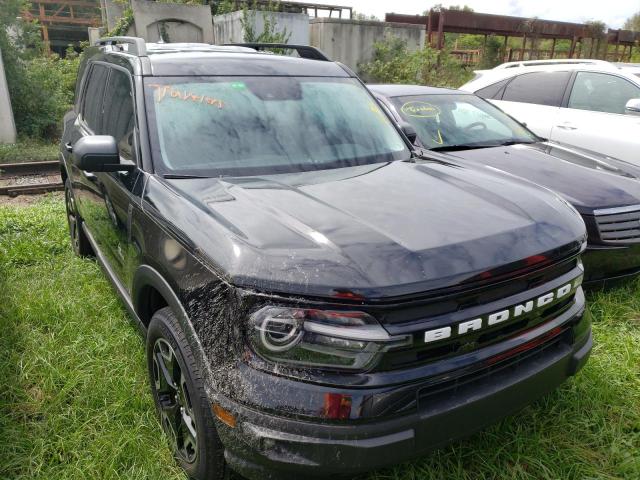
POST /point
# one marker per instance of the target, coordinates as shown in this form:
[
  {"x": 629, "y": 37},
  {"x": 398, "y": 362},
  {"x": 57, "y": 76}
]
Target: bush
[
  {"x": 40, "y": 86},
  {"x": 393, "y": 62},
  {"x": 42, "y": 93}
]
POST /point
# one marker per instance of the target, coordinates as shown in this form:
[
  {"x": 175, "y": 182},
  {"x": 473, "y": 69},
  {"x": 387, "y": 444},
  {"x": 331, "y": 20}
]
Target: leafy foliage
[
  {"x": 633, "y": 23},
  {"x": 493, "y": 53},
  {"x": 223, "y": 6},
  {"x": 123, "y": 24},
  {"x": 41, "y": 87},
  {"x": 43, "y": 94},
  {"x": 270, "y": 32},
  {"x": 393, "y": 62}
]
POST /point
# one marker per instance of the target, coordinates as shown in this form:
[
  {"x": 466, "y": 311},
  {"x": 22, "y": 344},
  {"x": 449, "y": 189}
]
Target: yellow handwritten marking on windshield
[
  {"x": 420, "y": 109},
  {"x": 162, "y": 91}
]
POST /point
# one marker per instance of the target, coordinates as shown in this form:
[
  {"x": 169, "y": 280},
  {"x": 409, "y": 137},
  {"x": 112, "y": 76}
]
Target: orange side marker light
[{"x": 225, "y": 416}]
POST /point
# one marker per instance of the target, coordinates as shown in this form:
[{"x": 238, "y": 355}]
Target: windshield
[
  {"x": 444, "y": 121},
  {"x": 262, "y": 125}
]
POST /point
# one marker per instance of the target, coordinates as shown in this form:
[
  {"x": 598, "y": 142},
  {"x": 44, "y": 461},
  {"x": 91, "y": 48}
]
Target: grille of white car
[{"x": 619, "y": 225}]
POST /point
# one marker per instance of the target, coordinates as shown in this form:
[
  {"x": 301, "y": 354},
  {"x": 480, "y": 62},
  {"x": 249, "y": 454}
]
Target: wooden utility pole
[
  {"x": 572, "y": 50},
  {"x": 441, "y": 31}
]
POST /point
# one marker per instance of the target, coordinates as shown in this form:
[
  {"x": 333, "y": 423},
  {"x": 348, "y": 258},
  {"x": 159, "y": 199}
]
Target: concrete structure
[
  {"x": 228, "y": 28},
  {"x": 7, "y": 124},
  {"x": 111, "y": 13},
  {"x": 95, "y": 34},
  {"x": 351, "y": 41},
  {"x": 172, "y": 22}
]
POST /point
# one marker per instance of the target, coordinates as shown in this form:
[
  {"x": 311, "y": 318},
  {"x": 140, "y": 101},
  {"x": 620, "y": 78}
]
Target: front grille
[
  {"x": 466, "y": 381},
  {"x": 421, "y": 353},
  {"x": 619, "y": 225},
  {"x": 407, "y": 312},
  {"x": 452, "y": 308}
]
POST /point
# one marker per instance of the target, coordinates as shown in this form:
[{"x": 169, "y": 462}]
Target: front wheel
[{"x": 182, "y": 404}]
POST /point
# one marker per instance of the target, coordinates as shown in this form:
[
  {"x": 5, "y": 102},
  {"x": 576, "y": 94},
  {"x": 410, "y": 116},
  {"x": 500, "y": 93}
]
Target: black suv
[{"x": 316, "y": 297}]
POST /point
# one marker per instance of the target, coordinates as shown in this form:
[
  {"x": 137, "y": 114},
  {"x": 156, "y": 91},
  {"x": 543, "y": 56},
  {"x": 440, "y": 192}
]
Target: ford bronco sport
[{"x": 317, "y": 298}]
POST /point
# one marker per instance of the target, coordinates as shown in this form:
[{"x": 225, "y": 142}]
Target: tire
[
  {"x": 186, "y": 400},
  {"x": 79, "y": 241}
]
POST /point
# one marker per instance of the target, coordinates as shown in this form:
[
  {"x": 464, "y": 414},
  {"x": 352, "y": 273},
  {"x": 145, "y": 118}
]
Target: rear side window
[
  {"x": 118, "y": 119},
  {"x": 493, "y": 92},
  {"x": 93, "y": 94},
  {"x": 541, "y": 88}
]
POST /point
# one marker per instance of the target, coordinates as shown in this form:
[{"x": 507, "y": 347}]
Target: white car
[
  {"x": 592, "y": 104},
  {"x": 630, "y": 68}
]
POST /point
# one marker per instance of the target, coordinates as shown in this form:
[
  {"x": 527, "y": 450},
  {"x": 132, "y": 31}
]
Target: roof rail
[
  {"x": 304, "y": 51},
  {"x": 136, "y": 45}
]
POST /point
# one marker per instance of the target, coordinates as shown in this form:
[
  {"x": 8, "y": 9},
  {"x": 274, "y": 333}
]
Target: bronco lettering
[{"x": 502, "y": 315}]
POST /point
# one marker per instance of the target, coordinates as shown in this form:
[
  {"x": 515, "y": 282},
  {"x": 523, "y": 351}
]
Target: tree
[
  {"x": 41, "y": 86},
  {"x": 270, "y": 32},
  {"x": 438, "y": 7},
  {"x": 364, "y": 16},
  {"x": 633, "y": 23},
  {"x": 394, "y": 62}
]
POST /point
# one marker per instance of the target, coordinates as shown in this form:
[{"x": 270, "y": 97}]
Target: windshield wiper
[
  {"x": 514, "y": 142},
  {"x": 472, "y": 146},
  {"x": 172, "y": 176},
  {"x": 461, "y": 146}
]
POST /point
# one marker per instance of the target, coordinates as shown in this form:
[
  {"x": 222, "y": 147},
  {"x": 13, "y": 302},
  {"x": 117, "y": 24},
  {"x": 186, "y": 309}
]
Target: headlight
[{"x": 320, "y": 338}]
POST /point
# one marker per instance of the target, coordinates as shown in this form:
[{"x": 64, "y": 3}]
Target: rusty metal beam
[
  {"x": 70, "y": 21},
  {"x": 75, "y": 3}
]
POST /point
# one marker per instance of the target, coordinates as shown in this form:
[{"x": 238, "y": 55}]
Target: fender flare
[{"x": 147, "y": 276}]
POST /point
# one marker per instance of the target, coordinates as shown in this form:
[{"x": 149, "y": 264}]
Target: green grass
[
  {"x": 75, "y": 402},
  {"x": 28, "y": 150}
]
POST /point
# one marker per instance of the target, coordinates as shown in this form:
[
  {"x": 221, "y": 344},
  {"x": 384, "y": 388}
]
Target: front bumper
[
  {"x": 269, "y": 446},
  {"x": 607, "y": 265}
]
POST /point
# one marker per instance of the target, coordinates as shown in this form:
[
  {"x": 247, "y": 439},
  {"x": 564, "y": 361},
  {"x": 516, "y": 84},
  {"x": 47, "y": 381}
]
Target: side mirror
[
  {"x": 409, "y": 131},
  {"x": 98, "y": 153},
  {"x": 632, "y": 107}
]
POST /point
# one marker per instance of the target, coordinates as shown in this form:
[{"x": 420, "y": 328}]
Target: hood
[
  {"x": 377, "y": 230},
  {"x": 586, "y": 179}
]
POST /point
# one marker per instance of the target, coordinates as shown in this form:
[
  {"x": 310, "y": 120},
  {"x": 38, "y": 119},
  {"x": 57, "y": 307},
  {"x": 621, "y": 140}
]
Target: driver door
[{"x": 118, "y": 189}]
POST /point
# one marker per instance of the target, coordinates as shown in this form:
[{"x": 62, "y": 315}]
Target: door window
[
  {"x": 92, "y": 106},
  {"x": 541, "y": 88},
  {"x": 118, "y": 118},
  {"x": 601, "y": 92}
]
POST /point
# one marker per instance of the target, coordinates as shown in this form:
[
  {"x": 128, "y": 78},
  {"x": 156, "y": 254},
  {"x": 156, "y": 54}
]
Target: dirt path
[{"x": 26, "y": 200}]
